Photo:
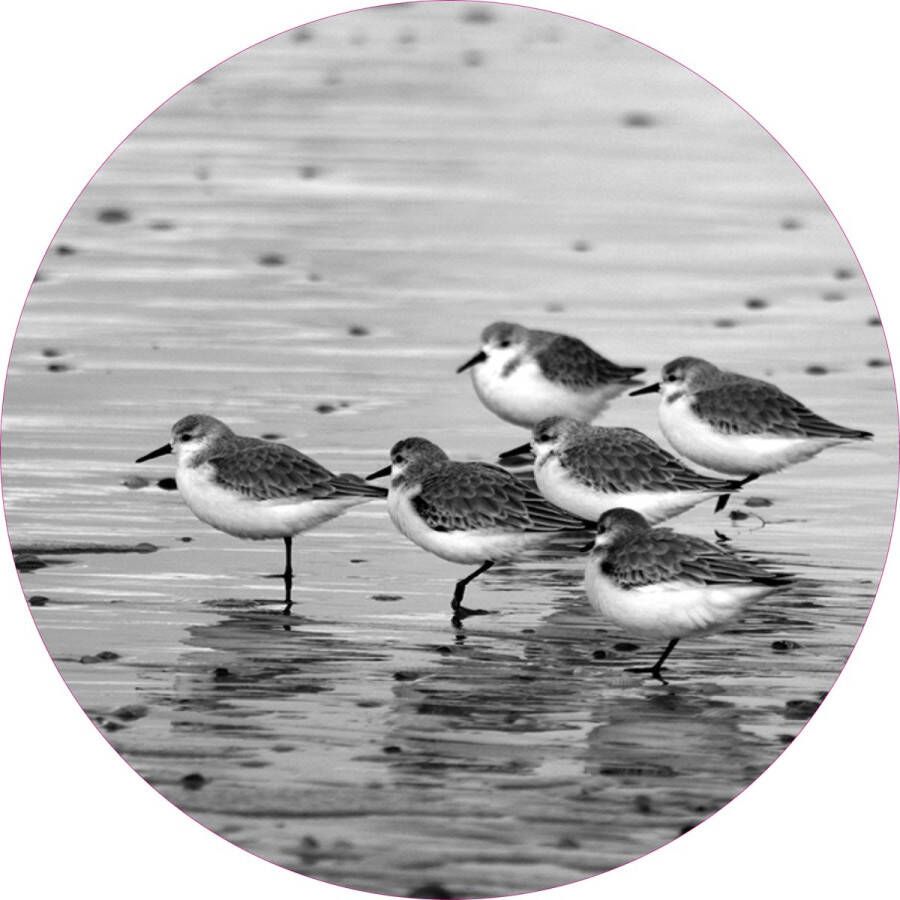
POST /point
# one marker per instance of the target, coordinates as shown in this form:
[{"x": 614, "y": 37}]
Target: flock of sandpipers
[{"x": 617, "y": 482}]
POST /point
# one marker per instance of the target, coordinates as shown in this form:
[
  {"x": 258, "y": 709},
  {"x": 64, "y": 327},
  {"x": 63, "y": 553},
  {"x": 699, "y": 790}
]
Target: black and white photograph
[{"x": 449, "y": 450}]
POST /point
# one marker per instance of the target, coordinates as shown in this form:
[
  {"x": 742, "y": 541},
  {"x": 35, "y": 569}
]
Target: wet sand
[{"x": 331, "y": 221}]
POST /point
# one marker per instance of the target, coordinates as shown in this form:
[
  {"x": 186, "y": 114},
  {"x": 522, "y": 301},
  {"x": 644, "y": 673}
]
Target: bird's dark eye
[
  {"x": 185, "y": 437},
  {"x": 601, "y": 529},
  {"x": 544, "y": 437},
  {"x": 505, "y": 343},
  {"x": 398, "y": 459},
  {"x": 672, "y": 377}
]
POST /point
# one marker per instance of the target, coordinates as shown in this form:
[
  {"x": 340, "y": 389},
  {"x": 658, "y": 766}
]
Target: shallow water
[{"x": 412, "y": 175}]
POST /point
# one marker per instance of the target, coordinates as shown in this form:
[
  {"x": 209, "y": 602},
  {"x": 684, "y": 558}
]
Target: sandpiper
[
  {"x": 658, "y": 583},
  {"x": 589, "y": 469},
  {"x": 467, "y": 512},
  {"x": 738, "y": 425},
  {"x": 256, "y": 489},
  {"x": 523, "y": 375}
]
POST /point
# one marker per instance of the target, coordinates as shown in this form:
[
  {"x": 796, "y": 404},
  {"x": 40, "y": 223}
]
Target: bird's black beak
[
  {"x": 516, "y": 451},
  {"x": 159, "y": 451},
  {"x": 586, "y": 548},
  {"x": 379, "y": 474},
  {"x": 479, "y": 357},
  {"x": 649, "y": 389}
]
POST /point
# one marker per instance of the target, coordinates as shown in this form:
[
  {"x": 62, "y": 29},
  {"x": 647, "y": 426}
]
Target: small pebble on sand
[
  {"x": 38, "y": 600},
  {"x": 789, "y": 223},
  {"x": 800, "y": 709},
  {"x": 816, "y": 370},
  {"x": 843, "y": 273},
  {"x": 271, "y": 259},
  {"x": 392, "y": 748},
  {"x": 873, "y": 320},
  {"x": 473, "y": 58},
  {"x": 135, "y": 482},
  {"x": 554, "y": 307},
  {"x": 167, "y": 484},
  {"x": 736, "y": 515},
  {"x": 131, "y": 712},
  {"x": 113, "y": 215},
  {"x": 58, "y": 367},
  {"x": 50, "y": 352},
  {"x": 387, "y": 598},
  {"x": 309, "y": 172},
  {"x": 599, "y": 654},
  {"x": 724, "y": 323},
  {"x": 637, "y": 119},
  {"x": 581, "y": 246},
  {"x": 162, "y": 225},
  {"x": 877, "y": 363},
  {"x": 478, "y": 14},
  {"x": 64, "y": 249},
  {"x": 358, "y": 330},
  {"x": 757, "y": 501},
  {"x": 271, "y": 436},
  {"x": 325, "y": 408},
  {"x": 834, "y": 296},
  {"x": 756, "y": 303},
  {"x": 194, "y": 781},
  {"x": 314, "y": 277},
  {"x": 626, "y": 647},
  {"x": 301, "y": 35},
  {"x": 785, "y": 646}
]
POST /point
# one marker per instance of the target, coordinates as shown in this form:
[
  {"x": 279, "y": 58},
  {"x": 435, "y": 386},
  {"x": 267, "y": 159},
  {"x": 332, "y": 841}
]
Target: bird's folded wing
[
  {"x": 570, "y": 361},
  {"x": 662, "y": 555},
  {"x": 264, "y": 471},
  {"x": 747, "y": 406},
  {"x": 478, "y": 496},
  {"x": 622, "y": 460}
]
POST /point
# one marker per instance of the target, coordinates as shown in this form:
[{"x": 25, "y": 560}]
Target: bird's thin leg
[
  {"x": 657, "y": 666},
  {"x": 460, "y": 612},
  {"x": 656, "y": 669},
  {"x": 288, "y": 575}
]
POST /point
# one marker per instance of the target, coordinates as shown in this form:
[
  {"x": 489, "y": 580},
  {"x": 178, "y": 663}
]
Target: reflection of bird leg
[
  {"x": 460, "y": 612},
  {"x": 656, "y": 669},
  {"x": 288, "y": 576}
]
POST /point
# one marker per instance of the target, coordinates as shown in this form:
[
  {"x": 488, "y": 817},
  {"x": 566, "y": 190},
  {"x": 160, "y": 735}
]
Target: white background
[{"x": 77, "y": 78}]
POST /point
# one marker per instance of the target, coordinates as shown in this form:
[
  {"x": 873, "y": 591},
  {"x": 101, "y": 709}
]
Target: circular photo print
[{"x": 449, "y": 450}]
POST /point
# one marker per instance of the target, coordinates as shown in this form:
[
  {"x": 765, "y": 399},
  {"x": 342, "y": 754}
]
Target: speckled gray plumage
[
  {"x": 472, "y": 496},
  {"x": 658, "y": 555},
  {"x": 623, "y": 460},
  {"x": 569, "y": 361},
  {"x": 741, "y": 405},
  {"x": 266, "y": 471}
]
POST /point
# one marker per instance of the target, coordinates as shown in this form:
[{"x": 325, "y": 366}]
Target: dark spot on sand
[
  {"x": 527, "y": 631},
  {"x": 220, "y": 673},
  {"x": 444, "y": 651},
  {"x": 407, "y": 36},
  {"x": 58, "y": 367},
  {"x": 626, "y": 647},
  {"x": 554, "y": 307},
  {"x": 185, "y": 540},
  {"x": 406, "y": 676},
  {"x": 800, "y": 709},
  {"x": 193, "y": 782},
  {"x": 313, "y": 276},
  {"x": 581, "y": 246},
  {"x": 834, "y": 296},
  {"x": 637, "y": 119},
  {"x": 473, "y": 58},
  {"x": 843, "y": 273},
  {"x": 201, "y": 173},
  {"x": 785, "y": 646},
  {"x": 599, "y": 654},
  {"x": 162, "y": 225},
  {"x": 113, "y": 215},
  {"x": 357, "y": 561},
  {"x": 477, "y": 14},
  {"x": 789, "y": 223},
  {"x": 786, "y": 738},
  {"x": 387, "y": 598},
  {"x": 392, "y": 748},
  {"x": 568, "y": 843},
  {"x": 310, "y": 172},
  {"x": 724, "y": 323},
  {"x": 130, "y": 712},
  {"x": 642, "y": 804},
  {"x": 756, "y": 502},
  {"x": 271, "y": 436},
  {"x": 736, "y": 515},
  {"x": 135, "y": 482},
  {"x": 301, "y": 35},
  {"x": 332, "y": 79},
  {"x": 64, "y": 250},
  {"x": 167, "y": 484},
  {"x": 111, "y": 726},
  {"x": 873, "y": 320},
  {"x": 358, "y": 330},
  {"x": 877, "y": 363},
  {"x": 271, "y": 259},
  {"x": 50, "y": 352},
  {"x": 639, "y": 770},
  {"x": 102, "y": 656},
  {"x": 816, "y": 370},
  {"x": 38, "y": 600},
  {"x": 28, "y": 562},
  {"x": 325, "y": 408},
  {"x": 756, "y": 303},
  {"x": 686, "y": 828},
  {"x": 369, "y": 704}
]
